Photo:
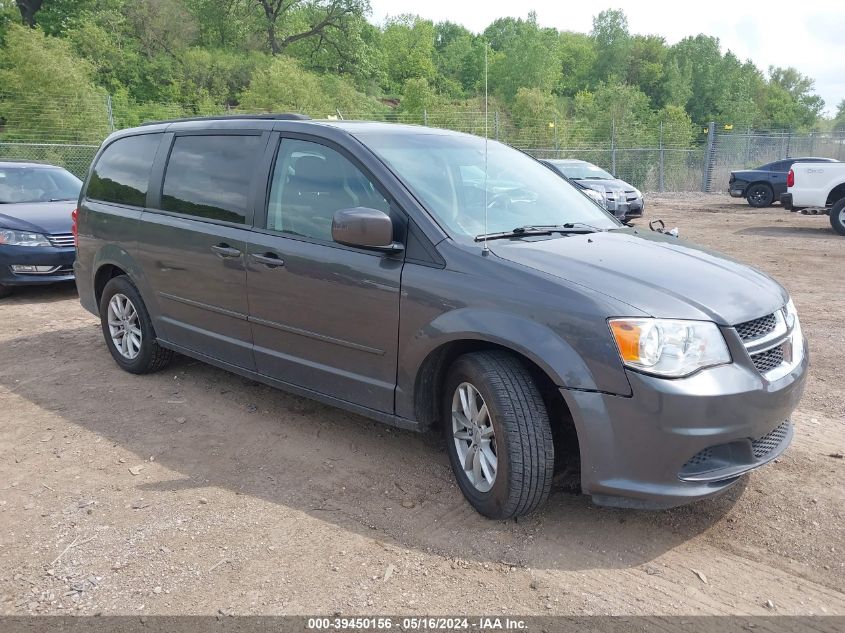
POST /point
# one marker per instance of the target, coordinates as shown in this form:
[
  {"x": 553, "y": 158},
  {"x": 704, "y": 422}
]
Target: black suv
[{"x": 427, "y": 278}]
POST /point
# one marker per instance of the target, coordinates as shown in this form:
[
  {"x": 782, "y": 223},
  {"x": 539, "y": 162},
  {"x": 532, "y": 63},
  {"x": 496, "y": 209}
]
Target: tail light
[
  {"x": 790, "y": 179},
  {"x": 74, "y": 228}
]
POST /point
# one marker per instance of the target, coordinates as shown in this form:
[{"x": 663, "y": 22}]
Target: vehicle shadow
[
  {"x": 51, "y": 293},
  {"x": 214, "y": 429},
  {"x": 817, "y": 232}
]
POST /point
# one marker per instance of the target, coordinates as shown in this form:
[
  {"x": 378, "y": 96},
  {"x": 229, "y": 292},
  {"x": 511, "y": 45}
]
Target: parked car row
[{"x": 765, "y": 184}]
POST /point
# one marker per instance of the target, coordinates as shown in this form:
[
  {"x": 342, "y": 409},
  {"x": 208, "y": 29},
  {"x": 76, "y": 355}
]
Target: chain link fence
[{"x": 670, "y": 156}]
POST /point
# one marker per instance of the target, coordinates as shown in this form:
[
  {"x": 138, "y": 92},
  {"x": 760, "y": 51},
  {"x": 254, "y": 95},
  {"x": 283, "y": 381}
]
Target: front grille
[
  {"x": 757, "y": 328},
  {"x": 61, "y": 240},
  {"x": 768, "y": 360},
  {"x": 770, "y": 441},
  {"x": 65, "y": 270}
]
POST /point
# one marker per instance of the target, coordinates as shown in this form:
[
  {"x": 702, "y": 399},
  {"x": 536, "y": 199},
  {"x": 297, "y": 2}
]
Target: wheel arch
[
  {"x": 836, "y": 194},
  {"x": 754, "y": 183},
  {"x": 104, "y": 273},
  {"x": 431, "y": 378},
  {"x": 113, "y": 260}
]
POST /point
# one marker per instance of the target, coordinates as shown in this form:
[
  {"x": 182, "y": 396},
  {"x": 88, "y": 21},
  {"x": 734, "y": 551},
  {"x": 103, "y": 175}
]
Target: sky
[{"x": 807, "y": 35}]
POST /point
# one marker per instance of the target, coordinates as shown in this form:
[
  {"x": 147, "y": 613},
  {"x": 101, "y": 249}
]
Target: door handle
[
  {"x": 226, "y": 251},
  {"x": 271, "y": 260}
]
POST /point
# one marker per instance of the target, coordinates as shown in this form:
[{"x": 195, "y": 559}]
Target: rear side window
[
  {"x": 122, "y": 174},
  {"x": 208, "y": 177}
]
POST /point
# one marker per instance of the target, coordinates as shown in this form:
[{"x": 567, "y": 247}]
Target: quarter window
[
  {"x": 122, "y": 174},
  {"x": 311, "y": 182},
  {"x": 208, "y": 177}
]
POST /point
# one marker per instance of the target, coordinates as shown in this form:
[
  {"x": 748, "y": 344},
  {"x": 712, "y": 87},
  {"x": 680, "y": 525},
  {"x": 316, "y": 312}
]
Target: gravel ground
[{"x": 193, "y": 491}]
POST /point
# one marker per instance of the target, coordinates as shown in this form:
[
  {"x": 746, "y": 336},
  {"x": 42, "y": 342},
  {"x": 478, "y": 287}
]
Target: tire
[
  {"x": 837, "y": 217},
  {"x": 760, "y": 195},
  {"x": 141, "y": 354},
  {"x": 521, "y": 435},
  {"x": 5, "y": 291}
]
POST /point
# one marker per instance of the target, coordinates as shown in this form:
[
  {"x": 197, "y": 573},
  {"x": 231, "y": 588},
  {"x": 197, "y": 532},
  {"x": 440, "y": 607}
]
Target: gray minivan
[{"x": 432, "y": 279}]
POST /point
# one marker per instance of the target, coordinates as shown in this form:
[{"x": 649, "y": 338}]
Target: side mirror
[{"x": 365, "y": 228}]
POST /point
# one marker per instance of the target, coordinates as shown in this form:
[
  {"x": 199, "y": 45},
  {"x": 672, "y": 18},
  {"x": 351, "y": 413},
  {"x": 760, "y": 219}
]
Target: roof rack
[{"x": 281, "y": 116}]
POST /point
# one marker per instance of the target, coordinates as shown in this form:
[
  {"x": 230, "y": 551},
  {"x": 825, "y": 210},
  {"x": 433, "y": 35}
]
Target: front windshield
[
  {"x": 581, "y": 171},
  {"x": 37, "y": 184},
  {"x": 448, "y": 173}
]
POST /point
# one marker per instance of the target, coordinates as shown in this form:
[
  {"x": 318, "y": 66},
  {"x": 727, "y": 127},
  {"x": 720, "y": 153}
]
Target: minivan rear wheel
[
  {"x": 128, "y": 329},
  {"x": 498, "y": 434}
]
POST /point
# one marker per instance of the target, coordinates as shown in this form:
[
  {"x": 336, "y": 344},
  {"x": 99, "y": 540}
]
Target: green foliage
[
  {"x": 283, "y": 86},
  {"x": 417, "y": 96},
  {"x": 521, "y": 58},
  {"x": 610, "y": 32},
  {"x": 45, "y": 86},
  {"x": 577, "y": 57},
  {"x": 408, "y": 47},
  {"x": 839, "y": 119},
  {"x": 170, "y": 58}
]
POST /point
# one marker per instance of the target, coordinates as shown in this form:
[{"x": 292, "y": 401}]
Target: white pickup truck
[{"x": 817, "y": 186}]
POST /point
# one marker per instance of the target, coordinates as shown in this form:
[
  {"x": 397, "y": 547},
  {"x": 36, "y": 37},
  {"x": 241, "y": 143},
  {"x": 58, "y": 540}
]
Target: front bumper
[
  {"x": 675, "y": 441},
  {"x": 58, "y": 263},
  {"x": 737, "y": 193}
]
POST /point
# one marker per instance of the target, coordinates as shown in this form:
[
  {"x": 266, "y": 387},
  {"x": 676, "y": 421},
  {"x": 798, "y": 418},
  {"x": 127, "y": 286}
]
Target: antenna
[{"x": 485, "y": 250}]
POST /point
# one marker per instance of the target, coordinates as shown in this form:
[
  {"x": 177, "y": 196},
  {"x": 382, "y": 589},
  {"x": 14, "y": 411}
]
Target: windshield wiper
[{"x": 541, "y": 229}]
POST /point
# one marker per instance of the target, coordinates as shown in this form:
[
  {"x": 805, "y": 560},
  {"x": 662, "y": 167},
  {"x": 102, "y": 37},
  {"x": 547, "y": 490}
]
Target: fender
[
  {"x": 540, "y": 344},
  {"x": 115, "y": 255}
]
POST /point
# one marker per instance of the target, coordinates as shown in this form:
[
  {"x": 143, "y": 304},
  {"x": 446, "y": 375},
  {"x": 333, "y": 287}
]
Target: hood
[
  {"x": 607, "y": 184},
  {"x": 39, "y": 217},
  {"x": 660, "y": 275}
]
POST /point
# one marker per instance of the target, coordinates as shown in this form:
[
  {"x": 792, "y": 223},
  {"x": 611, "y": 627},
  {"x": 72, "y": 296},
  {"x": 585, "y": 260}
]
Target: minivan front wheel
[
  {"x": 498, "y": 434},
  {"x": 128, "y": 330}
]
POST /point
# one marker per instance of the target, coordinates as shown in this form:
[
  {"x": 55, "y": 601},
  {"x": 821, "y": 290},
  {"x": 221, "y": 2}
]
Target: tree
[
  {"x": 610, "y": 32},
  {"x": 577, "y": 57},
  {"x": 525, "y": 58},
  {"x": 324, "y": 17},
  {"x": 408, "y": 47},
  {"x": 839, "y": 120},
  {"x": 417, "y": 96},
  {"x": 225, "y": 23},
  {"x": 454, "y": 58},
  {"x": 646, "y": 60},
  {"x": 807, "y": 105},
  {"x": 48, "y": 92},
  {"x": 28, "y": 9}
]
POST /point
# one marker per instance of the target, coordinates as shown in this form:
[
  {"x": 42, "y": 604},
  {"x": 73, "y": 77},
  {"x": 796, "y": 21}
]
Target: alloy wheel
[
  {"x": 124, "y": 326},
  {"x": 474, "y": 437}
]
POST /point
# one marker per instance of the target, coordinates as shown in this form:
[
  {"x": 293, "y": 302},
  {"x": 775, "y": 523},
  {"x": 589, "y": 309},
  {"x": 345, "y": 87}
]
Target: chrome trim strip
[
  {"x": 780, "y": 331},
  {"x": 319, "y": 337}
]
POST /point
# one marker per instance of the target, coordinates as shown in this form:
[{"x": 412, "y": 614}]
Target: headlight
[
  {"x": 790, "y": 315},
  {"x": 669, "y": 347},
  {"x": 22, "y": 238},
  {"x": 594, "y": 194}
]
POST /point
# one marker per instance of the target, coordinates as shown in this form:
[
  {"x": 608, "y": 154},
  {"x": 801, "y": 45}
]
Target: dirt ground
[{"x": 194, "y": 491}]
